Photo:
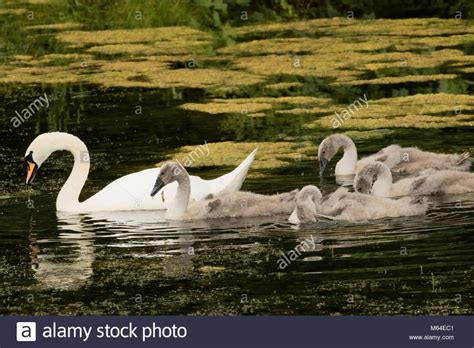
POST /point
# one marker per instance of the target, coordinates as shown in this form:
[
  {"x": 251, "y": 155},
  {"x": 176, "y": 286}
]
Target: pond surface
[
  {"x": 137, "y": 263},
  {"x": 138, "y": 96}
]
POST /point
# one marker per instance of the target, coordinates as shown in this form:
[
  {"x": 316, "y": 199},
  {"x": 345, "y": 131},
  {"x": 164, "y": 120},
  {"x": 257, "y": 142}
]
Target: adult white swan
[{"x": 130, "y": 192}]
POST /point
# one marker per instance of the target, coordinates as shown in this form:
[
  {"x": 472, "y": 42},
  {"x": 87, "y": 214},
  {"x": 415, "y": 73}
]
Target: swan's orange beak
[{"x": 31, "y": 169}]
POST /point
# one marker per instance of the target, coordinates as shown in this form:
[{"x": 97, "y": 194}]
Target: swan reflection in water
[
  {"x": 69, "y": 261},
  {"x": 65, "y": 262}
]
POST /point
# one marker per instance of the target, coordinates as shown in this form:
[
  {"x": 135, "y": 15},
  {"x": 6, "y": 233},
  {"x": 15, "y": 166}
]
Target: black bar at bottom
[{"x": 167, "y": 331}]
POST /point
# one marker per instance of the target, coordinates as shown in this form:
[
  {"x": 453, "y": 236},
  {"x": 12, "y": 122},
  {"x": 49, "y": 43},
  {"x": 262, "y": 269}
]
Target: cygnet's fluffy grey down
[
  {"x": 375, "y": 178},
  {"x": 228, "y": 205},
  {"x": 413, "y": 161},
  {"x": 402, "y": 161},
  {"x": 345, "y": 205}
]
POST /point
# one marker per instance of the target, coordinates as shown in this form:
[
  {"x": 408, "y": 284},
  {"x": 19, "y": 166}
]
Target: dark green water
[{"x": 136, "y": 263}]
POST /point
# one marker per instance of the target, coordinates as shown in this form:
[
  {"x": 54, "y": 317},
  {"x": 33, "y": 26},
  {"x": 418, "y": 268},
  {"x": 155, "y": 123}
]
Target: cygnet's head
[
  {"x": 366, "y": 177},
  {"x": 307, "y": 203},
  {"x": 171, "y": 171},
  {"x": 328, "y": 149}
]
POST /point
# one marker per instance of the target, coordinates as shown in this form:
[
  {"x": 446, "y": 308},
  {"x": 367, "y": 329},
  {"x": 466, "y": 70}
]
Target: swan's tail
[{"x": 233, "y": 181}]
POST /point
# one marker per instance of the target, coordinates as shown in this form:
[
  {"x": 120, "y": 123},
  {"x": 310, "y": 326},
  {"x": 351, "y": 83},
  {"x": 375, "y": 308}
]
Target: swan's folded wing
[{"x": 232, "y": 181}]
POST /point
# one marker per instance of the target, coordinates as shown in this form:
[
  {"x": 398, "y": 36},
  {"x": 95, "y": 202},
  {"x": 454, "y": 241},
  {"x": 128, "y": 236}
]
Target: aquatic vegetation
[
  {"x": 418, "y": 111},
  {"x": 163, "y": 47},
  {"x": 342, "y": 25},
  {"x": 124, "y": 36},
  {"x": 391, "y": 80},
  {"x": 227, "y": 108},
  {"x": 55, "y": 26},
  {"x": 211, "y": 269},
  {"x": 283, "y": 86},
  {"x": 408, "y": 121},
  {"x": 250, "y": 105},
  {"x": 405, "y": 60},
  {"x": 369, "y": 135},
  {"x": 311, "y": 110},
  {"x": 274, "y": 69},
  {"x": 228, "y": 153},
  {"x": 13, "y": 11},
  {"x": 323, "y": 45}
]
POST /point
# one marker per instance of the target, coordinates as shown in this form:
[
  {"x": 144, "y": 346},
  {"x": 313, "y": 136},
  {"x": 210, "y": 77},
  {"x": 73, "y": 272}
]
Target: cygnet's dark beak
[
  {"x": 322, "y": 166},
  {"x": 159, "y": 184}
]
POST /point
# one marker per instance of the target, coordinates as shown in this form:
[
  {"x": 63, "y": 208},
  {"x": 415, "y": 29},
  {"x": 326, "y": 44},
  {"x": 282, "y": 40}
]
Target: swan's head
[
  {"x": 38, "y": 151},
  {"x": 366, "y": 177},
  {"x": 171, "y": 171},
  {"x": 328, "y": 149},
  {"x": 307, "y": 203}
]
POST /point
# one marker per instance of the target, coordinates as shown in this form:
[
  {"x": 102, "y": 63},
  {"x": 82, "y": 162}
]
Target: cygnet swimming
[
  {"x": 350, "y": 206},
  {"x": 228, "y": 205}
]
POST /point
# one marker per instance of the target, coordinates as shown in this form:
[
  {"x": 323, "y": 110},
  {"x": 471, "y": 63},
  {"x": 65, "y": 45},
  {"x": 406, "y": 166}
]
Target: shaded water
[{"x": 137, "y": 263}]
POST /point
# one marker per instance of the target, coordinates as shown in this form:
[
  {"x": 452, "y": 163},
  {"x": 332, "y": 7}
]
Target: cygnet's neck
[
  {"x": 179, "y": 205},
  {"x": 382, "y": 187},
  {"x": 347, "y": 164}
]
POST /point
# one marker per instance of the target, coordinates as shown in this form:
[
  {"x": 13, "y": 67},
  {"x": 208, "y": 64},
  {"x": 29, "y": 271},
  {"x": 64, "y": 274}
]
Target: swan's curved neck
[
  {"x": 180, "y": 202},
  {"x": 347, "y": 163},
  {"x": 68, "y": 197},
  {"x": 382, "y": 187}
]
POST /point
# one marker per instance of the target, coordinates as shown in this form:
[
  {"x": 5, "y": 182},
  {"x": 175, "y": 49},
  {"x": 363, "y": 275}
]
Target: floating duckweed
[
  {"x": 309, "y": 65},
  {"x": 284, "y": 85},
  {"x": 395, "y": 27},
  {"x": 227, "y": 108},
  {"x": 190, "y": 78},
  {"x": 309, "y": 26},
  {"x": 415, "y": 60},
  {"x": 468, "y": 70},
  {"x": 250, "y": 105},
  {"x": 402, "y": 112},
  {"x": 56, "y": 26},
  {"x": 36, "y": 75},
  {"x": 421, "y": 99},
  {"x": 409, "y": 121},
  {"x": 303, "y": 111},
  {"x": 368, "y": 135},
  {"x": 211, "y": 269},
  {"x": 22, "y": 58},
  {"x": 13, "y": 11},
  {"x": 301, "y": 45},
  {"x": 336, "y": 52},
  {"x": 397, "y": 79},
  {"x": 269, "y": 154},
  {"x": 124, "y": 36},
  {"x": 164, "y": 47},
  {"x": 423, "y": 27},
  {"x": 256, "y": 114}
]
